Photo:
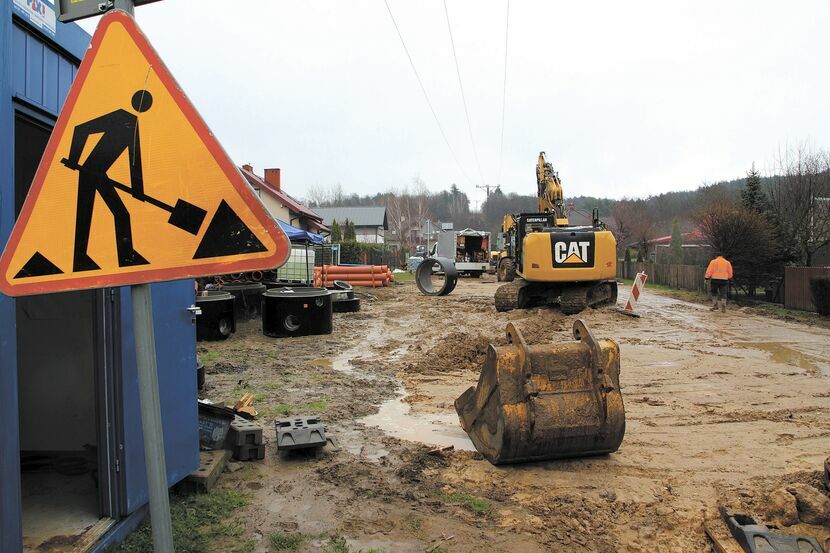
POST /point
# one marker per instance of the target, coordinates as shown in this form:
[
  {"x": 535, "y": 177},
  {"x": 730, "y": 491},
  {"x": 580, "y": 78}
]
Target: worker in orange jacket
[{"x": 719, "y": 273}]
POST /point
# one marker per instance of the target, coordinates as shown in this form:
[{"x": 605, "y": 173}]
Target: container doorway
[{"x": 65, "y": 364}]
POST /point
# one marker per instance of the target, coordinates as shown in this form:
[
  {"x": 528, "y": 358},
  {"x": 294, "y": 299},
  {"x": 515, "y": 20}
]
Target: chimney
[
  {"x": 248, "y": 167},
  {"x": 272, "y": 177}
]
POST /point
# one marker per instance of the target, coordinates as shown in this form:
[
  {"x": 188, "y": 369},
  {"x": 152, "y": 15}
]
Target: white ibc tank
[{"x": 300, "y": 266}]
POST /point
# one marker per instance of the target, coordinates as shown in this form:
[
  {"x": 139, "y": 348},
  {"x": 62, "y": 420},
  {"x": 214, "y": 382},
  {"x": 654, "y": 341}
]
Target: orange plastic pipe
[
  {"x": 372, "y": 283},
  {"x": 354, "y": 270}
]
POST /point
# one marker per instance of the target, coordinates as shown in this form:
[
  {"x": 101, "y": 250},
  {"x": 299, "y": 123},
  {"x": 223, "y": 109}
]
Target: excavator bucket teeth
[{"x": 546, "y": 401}]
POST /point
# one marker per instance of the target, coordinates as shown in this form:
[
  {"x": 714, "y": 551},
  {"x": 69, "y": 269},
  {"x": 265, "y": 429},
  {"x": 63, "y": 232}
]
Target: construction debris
[
  {"x": 755, "y": 537},
  {"x": 440, "y": 450},
  {"x": 813, "y": 505},
  {"x": 245, "y": 407},
  {"x": 214, "y": 422}
]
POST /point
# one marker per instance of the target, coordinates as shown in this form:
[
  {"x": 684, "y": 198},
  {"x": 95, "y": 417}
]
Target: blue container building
[{"x": 71, "y": 450}]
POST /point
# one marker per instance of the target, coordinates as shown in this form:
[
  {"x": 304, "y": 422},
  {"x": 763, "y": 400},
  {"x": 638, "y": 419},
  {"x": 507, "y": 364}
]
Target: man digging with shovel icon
[{"x": 120, "y": 133}]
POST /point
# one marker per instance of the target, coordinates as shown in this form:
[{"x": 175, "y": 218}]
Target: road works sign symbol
[{"x": 132, "y": 186}]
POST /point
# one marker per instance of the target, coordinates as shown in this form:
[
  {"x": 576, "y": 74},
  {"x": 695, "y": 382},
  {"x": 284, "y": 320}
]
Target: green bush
[
  {"x": 820, "y": 287},
  {"x": 359, "y": 253}
]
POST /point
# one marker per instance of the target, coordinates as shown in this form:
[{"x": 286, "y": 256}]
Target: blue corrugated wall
[
  {"x": 10, "y": 532},
  {"x": 40, "y": 74}
]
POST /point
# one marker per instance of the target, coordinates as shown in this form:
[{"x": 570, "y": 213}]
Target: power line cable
[
  {"x": 463, "y": 96},
  {"x": 426, "y": 96},
  {"x": 504, "y": 88}
]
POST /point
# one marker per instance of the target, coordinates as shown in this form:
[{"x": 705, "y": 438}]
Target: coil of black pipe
[{"x": 425, "y": 270}]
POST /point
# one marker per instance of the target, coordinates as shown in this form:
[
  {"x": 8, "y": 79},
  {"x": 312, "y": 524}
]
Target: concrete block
[
  {"x": 249, "y": 452},
  {"x": 243, "y": 432},
  {"x": 300, "y": 433},
  {"x": 203, "y": 479}
]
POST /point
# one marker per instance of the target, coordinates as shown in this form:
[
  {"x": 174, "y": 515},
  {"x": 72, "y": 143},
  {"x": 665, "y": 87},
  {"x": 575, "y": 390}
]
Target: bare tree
[
  {"x": 800, "y": 197},
  {"x": 396, "y": 214},
  {"x": 406, "y": 213},
  {"x": 633, "y": 223},
  {"x": 419, "y": 209},
  {"x": 324, "y": 196},
  {"x": 623, "y": 215},
  {"x": 317, "y": 195}
]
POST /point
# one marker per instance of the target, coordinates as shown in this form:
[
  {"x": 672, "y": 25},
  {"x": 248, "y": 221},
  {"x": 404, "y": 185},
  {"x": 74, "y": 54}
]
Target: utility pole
[{"x": 487, "y": 187}]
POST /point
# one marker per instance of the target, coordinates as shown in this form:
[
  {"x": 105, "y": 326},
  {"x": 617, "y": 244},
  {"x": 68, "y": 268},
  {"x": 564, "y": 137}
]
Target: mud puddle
[
  {"x": 781, "y": 353},
  {"x": 342, "y": 363},
  {"x": 395, "y": 418}
]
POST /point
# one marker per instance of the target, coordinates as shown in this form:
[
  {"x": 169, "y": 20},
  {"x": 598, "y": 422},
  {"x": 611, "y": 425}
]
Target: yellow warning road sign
[{"x": 133, "y": 187}]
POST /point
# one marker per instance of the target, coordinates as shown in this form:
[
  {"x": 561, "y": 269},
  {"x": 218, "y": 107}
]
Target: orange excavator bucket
[{"x": 546, "y": 401}]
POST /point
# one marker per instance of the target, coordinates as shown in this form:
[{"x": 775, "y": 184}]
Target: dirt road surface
[{"x": 722, "y": 409}]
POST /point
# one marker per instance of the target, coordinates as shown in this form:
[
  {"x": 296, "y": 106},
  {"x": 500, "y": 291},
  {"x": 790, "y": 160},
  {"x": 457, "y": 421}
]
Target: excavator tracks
[
  {"x": 573, "y": 299},
  {"x": 509, "y": 295}
]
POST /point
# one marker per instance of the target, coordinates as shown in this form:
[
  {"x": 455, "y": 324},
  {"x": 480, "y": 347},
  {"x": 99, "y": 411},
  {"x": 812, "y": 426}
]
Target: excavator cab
[{"x": 547, "y": 401}]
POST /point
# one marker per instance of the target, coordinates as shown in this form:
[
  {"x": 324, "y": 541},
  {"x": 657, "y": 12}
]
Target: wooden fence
[
  {"x": 683, "y": 277},
  {"x": 797, "y": 293}
]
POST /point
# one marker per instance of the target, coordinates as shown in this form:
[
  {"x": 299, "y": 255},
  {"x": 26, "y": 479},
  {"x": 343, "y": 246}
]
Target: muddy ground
[{"x": 722, "y": 409}]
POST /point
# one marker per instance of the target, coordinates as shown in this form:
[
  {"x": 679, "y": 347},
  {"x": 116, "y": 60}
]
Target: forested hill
[{"x": 454, "y": 205}]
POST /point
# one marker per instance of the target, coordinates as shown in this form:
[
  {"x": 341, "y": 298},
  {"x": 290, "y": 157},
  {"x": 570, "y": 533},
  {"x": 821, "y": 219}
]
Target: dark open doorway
[{"x": 64, "y": 361}]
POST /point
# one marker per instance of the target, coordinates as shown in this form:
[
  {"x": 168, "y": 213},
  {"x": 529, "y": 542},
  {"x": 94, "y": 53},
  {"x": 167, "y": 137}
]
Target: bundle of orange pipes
[{"x": 356, "y": 275}]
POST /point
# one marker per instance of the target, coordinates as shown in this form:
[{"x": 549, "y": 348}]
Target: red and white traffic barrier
[{"x": 636, "y": 292}]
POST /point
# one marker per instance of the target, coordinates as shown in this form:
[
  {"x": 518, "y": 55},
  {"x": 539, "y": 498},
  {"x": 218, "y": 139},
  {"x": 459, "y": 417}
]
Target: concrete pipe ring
[{"x": 433, "y": 265}]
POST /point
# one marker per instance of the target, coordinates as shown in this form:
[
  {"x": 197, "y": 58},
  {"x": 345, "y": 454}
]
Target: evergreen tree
[
  {"x": 336, "y": 235},
  {"x": 753, "y": 198},
  {"x": 676, "y": 245},
  {"x": 627, "y": 257},
  {"x": 640, "y": 257},
  {"x": 349, "y": 234}
]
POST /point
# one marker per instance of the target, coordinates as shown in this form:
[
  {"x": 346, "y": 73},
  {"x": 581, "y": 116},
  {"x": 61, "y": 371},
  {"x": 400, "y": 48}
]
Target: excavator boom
[{"x": 550, "y": 195}]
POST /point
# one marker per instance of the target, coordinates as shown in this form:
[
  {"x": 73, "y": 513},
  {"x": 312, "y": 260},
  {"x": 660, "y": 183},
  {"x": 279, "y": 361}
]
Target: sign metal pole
[{"x": 148, "y": 393}]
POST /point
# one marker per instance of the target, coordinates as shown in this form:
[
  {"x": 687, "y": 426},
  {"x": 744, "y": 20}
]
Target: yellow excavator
[{"x": 546, "y": 260}]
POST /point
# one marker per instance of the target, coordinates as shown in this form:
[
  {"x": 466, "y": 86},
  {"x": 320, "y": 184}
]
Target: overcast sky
[{"x": 627, "y": 98}]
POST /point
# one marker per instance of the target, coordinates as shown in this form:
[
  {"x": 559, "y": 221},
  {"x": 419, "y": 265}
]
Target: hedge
[
  {"x": 373, "y": 254},
  {"x": 820, "y": 287}
]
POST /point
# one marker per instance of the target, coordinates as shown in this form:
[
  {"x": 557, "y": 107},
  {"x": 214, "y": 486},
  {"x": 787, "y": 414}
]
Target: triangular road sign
[{"x": 133, "y": 187}]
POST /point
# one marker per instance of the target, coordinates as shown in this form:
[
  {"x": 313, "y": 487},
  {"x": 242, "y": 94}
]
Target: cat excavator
[{"x": 546, "y": 260}]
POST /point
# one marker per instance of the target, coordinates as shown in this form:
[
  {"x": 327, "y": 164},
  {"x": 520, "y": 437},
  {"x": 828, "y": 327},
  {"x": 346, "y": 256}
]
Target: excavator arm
[{"x": 549, "y": 191}]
